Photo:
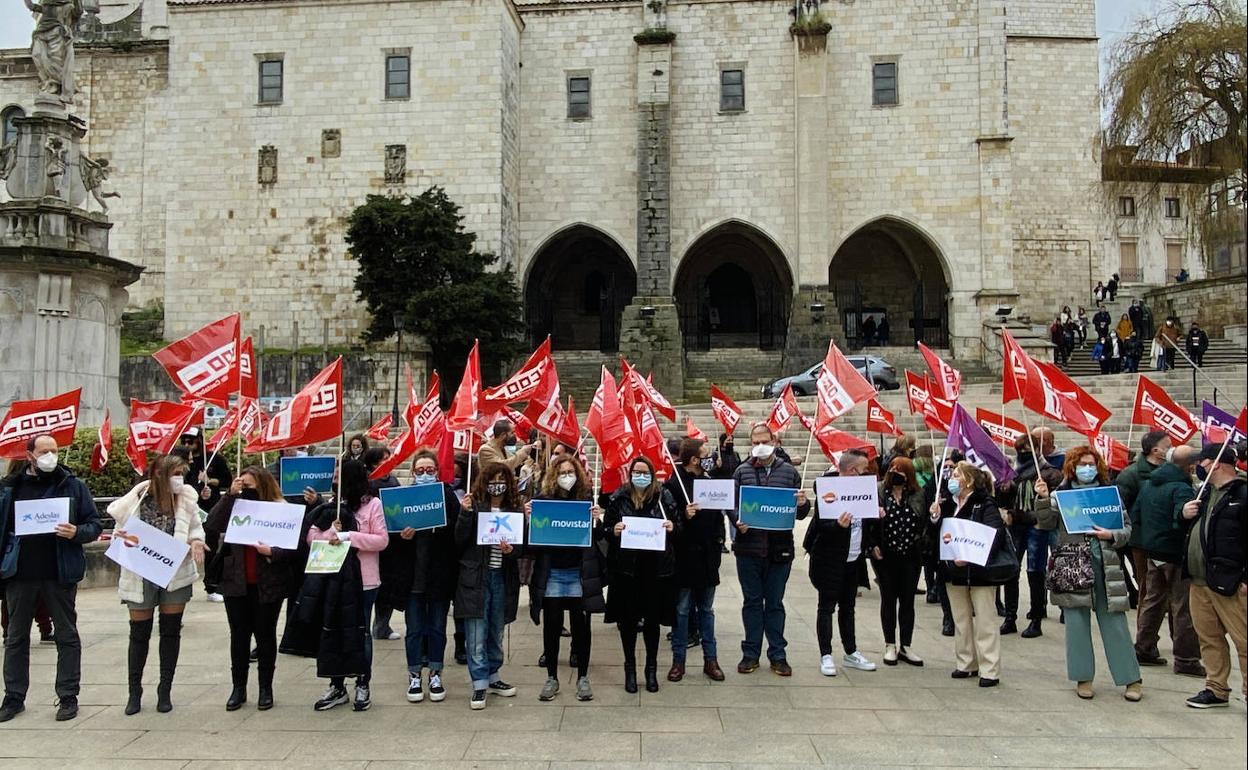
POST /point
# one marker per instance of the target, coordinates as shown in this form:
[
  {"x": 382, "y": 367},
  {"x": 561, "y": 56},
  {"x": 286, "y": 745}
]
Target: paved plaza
[{"x": 899, "y": 716}]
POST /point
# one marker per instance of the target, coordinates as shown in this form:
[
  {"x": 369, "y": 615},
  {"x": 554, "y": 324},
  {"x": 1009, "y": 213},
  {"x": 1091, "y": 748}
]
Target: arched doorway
[
  {"x": 889, "y": 272},
  {"x": 578, "y": 285},
  {"x": 734, "y": 289}
]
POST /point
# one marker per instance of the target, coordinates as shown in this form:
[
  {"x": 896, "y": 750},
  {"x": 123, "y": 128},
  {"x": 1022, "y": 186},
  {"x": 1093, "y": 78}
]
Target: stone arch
[
  {"x": 889, "y": 268},
  {"x": 571, "y": 261},
  {"x": 8, "y": 131},
  {"x": 734, "y": 288}
]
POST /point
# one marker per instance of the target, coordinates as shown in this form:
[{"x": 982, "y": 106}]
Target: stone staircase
[
  {"x": 1221, "y": 352},
  {"x": 739, "y": 372}
]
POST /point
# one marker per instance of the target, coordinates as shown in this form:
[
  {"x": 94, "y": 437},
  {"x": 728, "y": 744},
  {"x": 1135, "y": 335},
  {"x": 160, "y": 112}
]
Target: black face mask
[
  {"x": 249, "y": 494},
  {"x": 897, "y": 479}
]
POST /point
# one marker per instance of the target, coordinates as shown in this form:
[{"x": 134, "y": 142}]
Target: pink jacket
[{"x": 369, "y": 538}]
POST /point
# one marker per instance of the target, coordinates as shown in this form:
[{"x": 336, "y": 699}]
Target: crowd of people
[
  {"x": 1177, "y": 555},
  {"x": 1119, "y": 346}
]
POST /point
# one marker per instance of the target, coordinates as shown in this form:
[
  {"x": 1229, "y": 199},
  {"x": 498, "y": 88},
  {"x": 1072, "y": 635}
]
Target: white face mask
[
  {"x": 762, "y": 451},
  {"x": 566, "y": 481},
  {"x": 46, "y": 462},
  {"x": 175, "y": 484}
]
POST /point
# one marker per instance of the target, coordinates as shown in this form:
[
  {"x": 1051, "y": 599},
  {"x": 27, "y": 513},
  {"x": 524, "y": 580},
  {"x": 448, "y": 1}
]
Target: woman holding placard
[
  {"x": 898, "y": 557},
  {"x": 489, "y": 578},
  {"x": 169, "y": 504},
  {"x": 349, "y": 595},
  {"x": 642, "y": 588},
  {"x": 972, "y": 590},
  {"x": 255, "y": 580},
  {"x": 568, "y": 579},
  {"x": 1085, "y": 575}
]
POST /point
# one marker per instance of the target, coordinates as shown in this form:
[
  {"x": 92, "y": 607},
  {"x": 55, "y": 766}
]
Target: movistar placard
[
  {"x": 299, "y": 473},
  {"x": 560, "y": 523},
  {"x": 1082, "y": 509},
  {"x": 417, "y": 507},
  {"x": 768, "y": 507}
]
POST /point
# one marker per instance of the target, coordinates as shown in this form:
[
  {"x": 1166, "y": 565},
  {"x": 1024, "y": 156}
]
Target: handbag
[
  {"x": 1003, "y": 564},
  {"x": 1070, "y": 569}
]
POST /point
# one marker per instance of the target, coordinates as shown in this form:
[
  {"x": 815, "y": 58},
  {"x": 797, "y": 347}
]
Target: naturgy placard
[
  {"x": 768, "y": 507},
  {"x": 301, "y": 472},
  {"x": 418, "y": 507},
  {"x": 275, "y": 524},
  {"x": 560, "y": 523}
]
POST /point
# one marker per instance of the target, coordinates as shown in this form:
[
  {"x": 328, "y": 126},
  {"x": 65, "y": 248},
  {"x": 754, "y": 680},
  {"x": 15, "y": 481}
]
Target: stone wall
[
  {"x": 1214, "y": 303},
  {"x": 1150, "y": 230}
]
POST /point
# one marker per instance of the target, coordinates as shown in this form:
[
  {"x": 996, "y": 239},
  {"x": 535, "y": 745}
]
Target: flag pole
[
  {"x": 342, "y": 448},
  {"x": 810, "y": 439},
  {"x": 1229, "y": 434},
  {"x": 676, "y": 470},
  {"x": 597, "y": 471}
]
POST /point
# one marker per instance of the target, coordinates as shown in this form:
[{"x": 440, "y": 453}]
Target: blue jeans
[
  {"x": 484, "y": 636},
  {"x": 1038, "y": 543},
  {"x": 703, "y": 599},
  {"x": 426, "y": 632},
  {"x": 762, "y": 608}
]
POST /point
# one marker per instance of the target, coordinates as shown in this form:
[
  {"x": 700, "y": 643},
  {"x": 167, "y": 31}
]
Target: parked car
[{"x": 883, "y": 376}]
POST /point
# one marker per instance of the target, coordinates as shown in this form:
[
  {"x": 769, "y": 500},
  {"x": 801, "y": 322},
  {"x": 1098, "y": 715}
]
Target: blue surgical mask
[
  {"x": 1085, "y": 473},
  {"x": 955, "y": 488},
  {"x": 641, "y": 480},
  {"x": 424, "y": 478}
]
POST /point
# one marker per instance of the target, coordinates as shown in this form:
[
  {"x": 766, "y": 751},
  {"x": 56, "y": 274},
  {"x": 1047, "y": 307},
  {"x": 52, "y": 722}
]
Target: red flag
[
  {"x": 427, "y": 423},
  {"x": 466, "y": 441},
  {"x": 545, "y": 411},
  {"x": 937, "y": 412},
  {"x": 1043, "y": 397},
  {"x": 607, "y": 424},
  {"x": 312, "y": 416},
  {"x": 645, "y": 392},
  {"x": 251, "y": 418},
  {"x": 1013, "y": 368},
  {"x": 403, "y": 447},
  {"x": 693, "y": 431},
  {"x": 448, "y": 446},
  {"x": 466, "y": 406},
  {"x": 946, "y": 381},
  {"x": 783, "y": 411},
  {"x": 380, "y": 430},
  {"x": 103, "y": 444},
  {"x": 839, "y": 387},
  {"x": 523, "y": 384},
  {"x": 228, "y": 427},
  {"x": 1113, "y": 451},
  {"x": 155, "y": 426},
  {"x": 522, "y": 424},
  {"x": 204, "y": 364},
  {"x": 1155, "y": 409},
  {"x": 1003, "y": 430},
  {"x": 833, "y": 441},
  {"x": 725, "y": 410},
  {"x": 248, "y": 386},
  {"x": 1241, "y": 422},
  {"x": 640, "y": 418},
  {"x": 1095, "y": 413},
  {"x": 56, "y": 417},
  {"x": 880, "y": 420}
]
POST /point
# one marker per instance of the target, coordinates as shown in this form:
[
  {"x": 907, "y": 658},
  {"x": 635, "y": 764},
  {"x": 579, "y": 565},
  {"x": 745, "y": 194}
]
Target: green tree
[{"x": 416, "y": 259}]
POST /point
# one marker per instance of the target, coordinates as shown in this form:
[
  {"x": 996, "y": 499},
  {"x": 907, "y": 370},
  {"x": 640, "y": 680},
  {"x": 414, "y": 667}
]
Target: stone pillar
[{"x": 650, "y": 336}]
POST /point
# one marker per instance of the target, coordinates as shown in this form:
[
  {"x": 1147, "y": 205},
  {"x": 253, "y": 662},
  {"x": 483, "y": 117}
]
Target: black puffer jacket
[
  {"x": 1223, "y": 535},
  {"x": 827, "y": 545},
  {"x": 275, "y": 574},
  {"x": 623, "y": 561},
  {"x": 593, "y": 573},
  {"x": 427, "y": 564},
  {"x": 474, "y": 563},
  {"x": 699, "y": 540}
]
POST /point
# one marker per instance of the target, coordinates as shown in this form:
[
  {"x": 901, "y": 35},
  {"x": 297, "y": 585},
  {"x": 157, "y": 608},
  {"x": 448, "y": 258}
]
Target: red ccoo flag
[
  {"x": 155, "y": 426},
  {"x": 839, "y": 387},
  {"x": 880, "y": 420},
  {"x": 833, "y": 442},
  {"x": 1155, "y": 409},
  {"x": 380, "y": 430},
  {"x": 523, "y": 384},
  {"x": 248, "y": 385},
  {"x": 466, "y": 406},
  {"x": 546, "y": 413},
  {"x": 204, "y": 364},
  {"x": 608, "y": 425},
  {"x": 692, "y": 430},
  {"x": 937, "y": 412},
  {"x": 946, "y": 381},
  {"x": 56, "y": 417},
  {"x": 1113, "y": 451},
  {"x": 1003, "y": 430},
  {"x": 783, "y": 411},
  {"x": 725, "y": 410},
  {"x": 312, "y": 416},
  {"x": 1013, "y": 368},
  {"x": 103, "y": 444},
  {"x": 1095, "y": 414}
]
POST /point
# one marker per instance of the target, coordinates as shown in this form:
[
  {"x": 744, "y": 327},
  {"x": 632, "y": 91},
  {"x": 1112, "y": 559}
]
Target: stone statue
[
  {"x": 55, "y": 162},
  {"x": 52, "y": 45},
  {"x": 94, "y": 175},
  {"x": 8, "y": 159}
]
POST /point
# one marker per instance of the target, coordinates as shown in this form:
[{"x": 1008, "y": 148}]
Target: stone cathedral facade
[{"x": 745, "y": 181}]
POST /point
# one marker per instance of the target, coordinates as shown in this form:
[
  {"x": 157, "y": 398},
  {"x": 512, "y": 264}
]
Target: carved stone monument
[{"x": 61, "y": 292}]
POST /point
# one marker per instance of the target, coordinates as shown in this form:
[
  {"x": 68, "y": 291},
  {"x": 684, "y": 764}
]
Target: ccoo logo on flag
[
  {"x": 37, "y": 423},
  {"x": 1165, "y": 418},
  {"x": 201, "y": 375}
]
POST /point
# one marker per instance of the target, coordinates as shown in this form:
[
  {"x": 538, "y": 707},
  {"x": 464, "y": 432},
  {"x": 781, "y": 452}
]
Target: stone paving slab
[{"x": 899, "y": 716}]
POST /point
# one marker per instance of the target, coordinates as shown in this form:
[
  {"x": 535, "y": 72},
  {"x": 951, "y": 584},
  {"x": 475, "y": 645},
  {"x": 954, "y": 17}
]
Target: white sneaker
[
  {"x": 216, "y": 598},
  {"x": 857, "y": 660},
  {"x": 827, "y": 665},
  {"x": 890, "y": 654},
  {"x": 394, "y": 635}
]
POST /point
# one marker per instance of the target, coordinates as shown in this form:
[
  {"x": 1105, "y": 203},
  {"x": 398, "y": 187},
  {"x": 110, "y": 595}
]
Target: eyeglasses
[{"x": 424, "y": 471}]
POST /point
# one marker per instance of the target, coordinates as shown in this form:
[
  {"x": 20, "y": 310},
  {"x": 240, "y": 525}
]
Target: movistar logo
[
  {"x": 749, "y": 507},
  {"x": 540, "y": 522},
  {"x": 290, "y": 476},
  {"x": 241, "y": 521},
  {"x": 1092, "y": 511}
]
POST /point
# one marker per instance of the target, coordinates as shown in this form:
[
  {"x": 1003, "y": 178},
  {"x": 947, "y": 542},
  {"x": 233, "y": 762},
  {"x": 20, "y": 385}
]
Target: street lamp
[{"x": 399, "y": 320}]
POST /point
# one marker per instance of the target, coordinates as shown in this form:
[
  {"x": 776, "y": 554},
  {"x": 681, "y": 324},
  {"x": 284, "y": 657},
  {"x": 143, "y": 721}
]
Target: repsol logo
[
  {"x": 160, "y": 557},
  {"x": 854, "y": 498}
]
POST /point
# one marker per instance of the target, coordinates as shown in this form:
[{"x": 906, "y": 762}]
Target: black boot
[
  {"x": 140, "y": 640},
  {"x": 652, "y": 676},
  {"x": 1032, "y": 630},
  {"x": 946, "y": 626},
  {"x": 264, "y": 701},
  {"x": 170, "y": 646},
  {"x": 630, "y": 677},
  {"x": 1039, "y": 596},
  {"x": 1009, "y": 626},
  {"x": 238, "y": 696}
]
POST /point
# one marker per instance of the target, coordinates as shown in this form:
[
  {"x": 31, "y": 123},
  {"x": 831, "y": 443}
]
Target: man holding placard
[
  {"x": 765, "y": 556},
  {"x": 47, "y": 566}
]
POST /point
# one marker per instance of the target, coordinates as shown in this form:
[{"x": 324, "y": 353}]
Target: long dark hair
[
  {"x": 353, "y": 486},
  {"x": 481, "y": 497},
  {"x": 642, "y": 497}
]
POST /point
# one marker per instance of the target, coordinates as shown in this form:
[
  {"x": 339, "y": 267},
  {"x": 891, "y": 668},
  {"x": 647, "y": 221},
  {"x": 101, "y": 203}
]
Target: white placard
[
  {"x": 643, "y": 534},
  {"x": 147, "y": 551},
  {"x": 715, "y": 494},
  {"x": 965, "y": 540},
  {"x": 856, "y": 495},
  {"x": 493, "y": 527},
  {"x": 274, "y": 524},
  {"x": 40, "y": 517}
]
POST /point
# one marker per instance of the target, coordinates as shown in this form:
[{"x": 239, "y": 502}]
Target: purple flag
[
  {"x": 1213, "y": 417},
  {"x": 967, "y": 437}
]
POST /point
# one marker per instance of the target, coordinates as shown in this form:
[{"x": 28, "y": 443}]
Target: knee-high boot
[
  {"x": 170, "y": 646},
  {"x": 140, "y": 640}
]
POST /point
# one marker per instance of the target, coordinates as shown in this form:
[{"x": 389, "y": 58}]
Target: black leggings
[
  {"x": 898, "y": 577},
  {"x": 552, "y": 628},
  {"x": 628, "y": 640},
  {"x": 842, "y": 594},
  {"x": 248, "y": 617}
]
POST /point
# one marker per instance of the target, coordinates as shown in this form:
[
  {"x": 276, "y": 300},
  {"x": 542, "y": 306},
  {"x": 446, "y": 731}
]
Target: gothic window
[{"x": 9, "y": 127}]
